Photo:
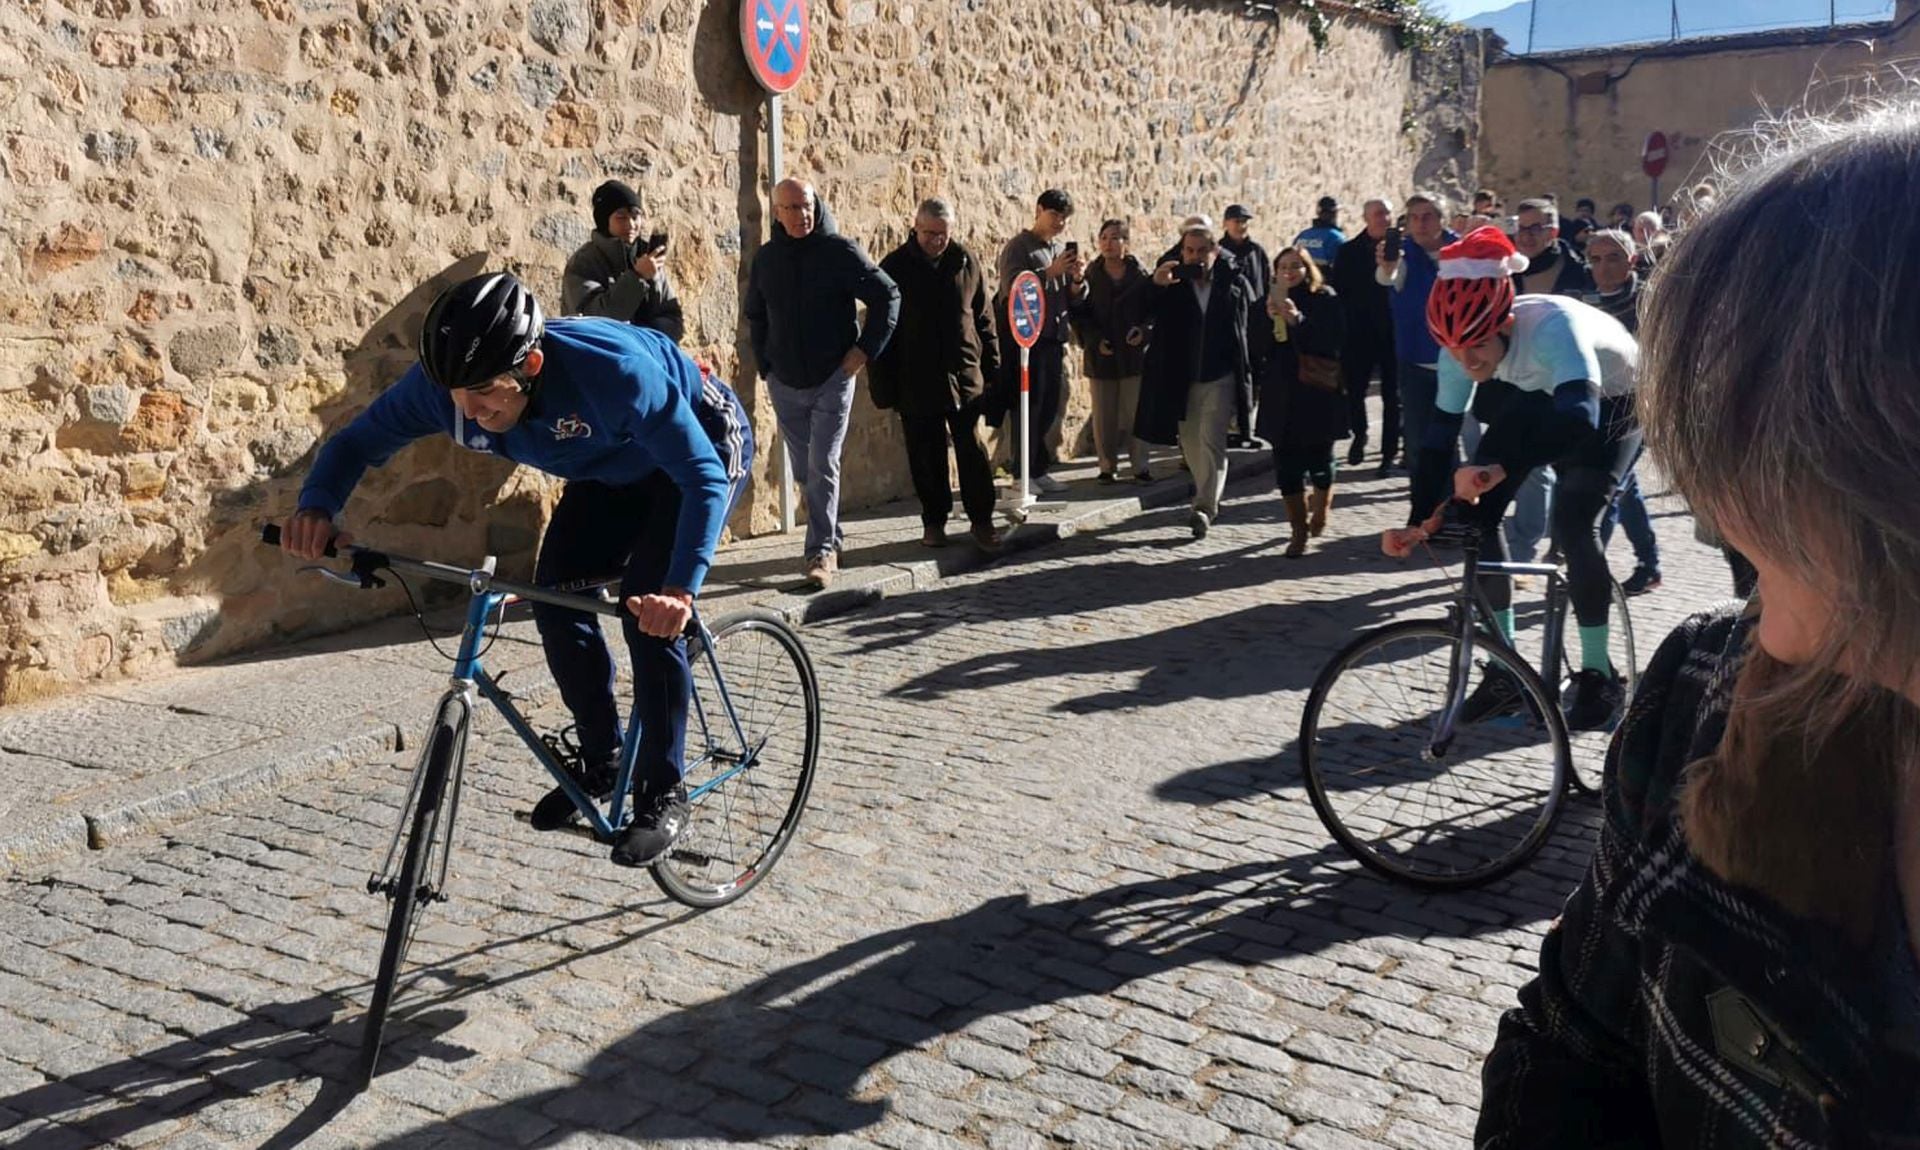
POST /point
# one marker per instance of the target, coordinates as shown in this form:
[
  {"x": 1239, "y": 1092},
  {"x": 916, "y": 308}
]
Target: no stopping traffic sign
[
  {"x": 1026, "y": 309},
  {"x": 777, "y": 37}
]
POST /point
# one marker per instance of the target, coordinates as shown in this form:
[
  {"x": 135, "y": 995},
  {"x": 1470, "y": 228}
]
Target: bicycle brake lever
[{"x": 365, "y": 582}]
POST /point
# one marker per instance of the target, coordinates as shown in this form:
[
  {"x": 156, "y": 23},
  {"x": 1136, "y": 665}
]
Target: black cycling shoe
[
  {"x": 658, "y": 821},
  {"x": 1499, "y": 693},
  {"x": 556, "y": 810},
  {"x": 1593, "y": 699},
  {"x": 1643, "y": 580}
]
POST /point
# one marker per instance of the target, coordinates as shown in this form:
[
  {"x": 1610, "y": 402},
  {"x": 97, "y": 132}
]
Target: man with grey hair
[
  {"x": 935, "y": 369},
  {"x": 802, "y": 292},
  {"x": 1369, "y": 340},
  {"x": 1410, "y": 272}
]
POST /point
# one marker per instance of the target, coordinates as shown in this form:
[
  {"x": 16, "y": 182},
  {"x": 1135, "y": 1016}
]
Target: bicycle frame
[
  {"x": 470, "y": 678},
  {"x": 1471, "y": 597}
]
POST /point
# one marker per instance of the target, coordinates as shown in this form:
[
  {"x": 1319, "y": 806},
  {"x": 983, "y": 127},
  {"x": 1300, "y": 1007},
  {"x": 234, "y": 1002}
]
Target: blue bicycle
[{"x": 753, "y": 738}]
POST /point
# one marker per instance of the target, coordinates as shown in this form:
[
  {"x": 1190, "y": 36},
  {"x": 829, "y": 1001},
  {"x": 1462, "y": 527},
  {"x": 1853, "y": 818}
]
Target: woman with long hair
[
  {"x": 1741, "y": 966},
  {"x": 1303, "y": 409}
]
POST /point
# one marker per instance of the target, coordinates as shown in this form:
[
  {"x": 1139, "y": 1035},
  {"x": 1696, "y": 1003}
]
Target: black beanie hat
[{"x": 609, "y": 198}]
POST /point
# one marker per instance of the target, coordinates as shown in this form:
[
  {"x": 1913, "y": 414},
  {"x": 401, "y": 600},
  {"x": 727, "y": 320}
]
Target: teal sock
[
  {"x": 1504, "y": 621},
  {"x": 1593, "y": 649}
]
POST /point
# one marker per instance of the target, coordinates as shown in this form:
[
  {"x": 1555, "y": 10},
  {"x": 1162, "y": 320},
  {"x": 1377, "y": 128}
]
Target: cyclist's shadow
[
  {"x": 796, "y": 1052},
  {"x": 273, "y": 1045}
]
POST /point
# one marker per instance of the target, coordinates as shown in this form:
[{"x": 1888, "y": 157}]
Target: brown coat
[{"x": 943, "y": 351}]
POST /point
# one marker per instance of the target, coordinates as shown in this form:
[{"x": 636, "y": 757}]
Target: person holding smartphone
[
  {"x": 1195, "y": 361},
  {"x": 1408, "y": 264},
  {"x": 620, "y": 273}
]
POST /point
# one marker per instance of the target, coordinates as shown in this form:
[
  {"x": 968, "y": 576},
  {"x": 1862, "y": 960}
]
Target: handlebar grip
[{"x": 270, "y": 535}]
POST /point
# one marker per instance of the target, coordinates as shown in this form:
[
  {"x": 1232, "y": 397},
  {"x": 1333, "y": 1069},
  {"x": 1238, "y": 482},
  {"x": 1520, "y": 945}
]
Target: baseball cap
[
  {"x": 1237, "y": 212},
  {"x": 1327, "y": 203}
]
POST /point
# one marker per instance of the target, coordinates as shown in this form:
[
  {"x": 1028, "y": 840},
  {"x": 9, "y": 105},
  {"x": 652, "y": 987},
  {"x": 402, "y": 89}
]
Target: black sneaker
[
  {"x": 657, "y": 822},
  {"x": 1105, "y": 479},
  {"x": 1643, "y": 580},
  {"x": 1593, "y": 699},
  {"x": 1143, "y": 477},
  {"x": 1356, "y": 451},
  {"x": 556, "y": 810},
  {"x": 1499, "y": 693}
]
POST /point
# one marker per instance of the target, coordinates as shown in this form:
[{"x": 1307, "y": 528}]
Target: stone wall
[
  {"x": 1574, "y": 123},
  {"x": 222, "y": 220}
]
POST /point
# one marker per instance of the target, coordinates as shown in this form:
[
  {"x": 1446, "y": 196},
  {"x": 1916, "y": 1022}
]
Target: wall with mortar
[
  {"x": 221, "y": 221},
  {"x": 1574, "y": 123}
]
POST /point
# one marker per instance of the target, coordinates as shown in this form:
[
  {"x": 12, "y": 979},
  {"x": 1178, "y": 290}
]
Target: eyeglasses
[{"x": 1536, "y": 229}]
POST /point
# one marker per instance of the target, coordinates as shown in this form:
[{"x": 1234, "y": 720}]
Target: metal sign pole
[
  {"x": 1026, "y": 433},
  {"x": 774, "y": 142}
]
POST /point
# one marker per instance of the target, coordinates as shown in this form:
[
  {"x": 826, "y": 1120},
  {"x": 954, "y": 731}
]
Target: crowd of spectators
[{"x": 1218, "y": 344}]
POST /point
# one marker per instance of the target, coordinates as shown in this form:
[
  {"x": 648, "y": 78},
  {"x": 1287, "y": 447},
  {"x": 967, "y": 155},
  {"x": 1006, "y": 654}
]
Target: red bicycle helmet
[
  {"x": 1474, "y": 292},
  {"x": 1463, "y": 312}
]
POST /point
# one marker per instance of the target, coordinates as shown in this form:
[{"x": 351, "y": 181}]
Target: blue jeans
[
  {"x": 1629, "y": 509},
  {"x": 813, "y": 421},
  {"x": 1531, "y": 505},
  {"x": 595, "y": 531},
  {"x": 1419, "y": 389}
]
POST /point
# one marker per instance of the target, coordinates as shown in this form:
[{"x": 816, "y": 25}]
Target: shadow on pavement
[
  {"x": 277, "y": 1044},
  {"x": 794, "y": 1053}
]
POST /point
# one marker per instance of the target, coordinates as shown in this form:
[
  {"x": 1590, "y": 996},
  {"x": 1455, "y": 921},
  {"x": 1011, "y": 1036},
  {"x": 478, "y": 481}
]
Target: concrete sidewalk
[{"x": 133, "y": 757}]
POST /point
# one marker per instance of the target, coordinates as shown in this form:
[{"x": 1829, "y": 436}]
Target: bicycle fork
[{"x": 456, "y": 711}]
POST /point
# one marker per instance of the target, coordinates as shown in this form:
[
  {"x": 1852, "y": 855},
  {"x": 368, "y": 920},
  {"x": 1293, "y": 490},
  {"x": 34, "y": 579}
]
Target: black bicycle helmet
[{"x": 478, "y": 330}]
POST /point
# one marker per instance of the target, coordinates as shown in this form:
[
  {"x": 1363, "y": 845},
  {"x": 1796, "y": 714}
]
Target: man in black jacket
[
  {"x": 617, "y": 273},
  {"x": 1553, "y": 267},
  {"x": 1258, "y": 268},
  {"x": 1197, "y": 357},
  {"x": 934, "y": 371},
  {"x": 1369, "y": 341},
  {"x": 801, "y": 297}
]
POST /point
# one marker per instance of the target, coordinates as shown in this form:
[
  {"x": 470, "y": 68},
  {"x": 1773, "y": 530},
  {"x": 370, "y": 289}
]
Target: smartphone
[
  {"x": 656, "y": 243},
  {"x": 1186, "y": 271},
  {"x": 1073, "y": 247},
  {"x": 1393, "y": 245}
]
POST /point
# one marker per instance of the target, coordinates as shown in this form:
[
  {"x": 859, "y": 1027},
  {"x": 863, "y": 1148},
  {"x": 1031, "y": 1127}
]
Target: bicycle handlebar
[{"x": 477, "y": 580}]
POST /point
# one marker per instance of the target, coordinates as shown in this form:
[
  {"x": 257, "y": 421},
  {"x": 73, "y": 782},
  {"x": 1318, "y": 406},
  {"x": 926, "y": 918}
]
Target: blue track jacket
[{"x": 613, "y": 403}]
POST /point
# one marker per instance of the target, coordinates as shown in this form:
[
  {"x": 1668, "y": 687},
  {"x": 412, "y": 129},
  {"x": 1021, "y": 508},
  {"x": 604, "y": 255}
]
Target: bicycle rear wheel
[
  {"x": 412, "y": 887},
  {"x": 1590, "y": 747},
  {"x": 747, "y": 783},
  {"x": 1433, "y": 816}
]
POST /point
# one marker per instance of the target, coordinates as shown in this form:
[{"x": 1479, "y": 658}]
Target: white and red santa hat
[{"x": 1482, "y": 254}]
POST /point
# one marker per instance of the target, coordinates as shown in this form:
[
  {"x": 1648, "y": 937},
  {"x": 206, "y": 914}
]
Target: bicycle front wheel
[
  {"x": 751, "y": 752},
  {"x": 1590, "y": 747},
  {"x": 1437, "y": 814},
  {"x": 411, "y": 888}
]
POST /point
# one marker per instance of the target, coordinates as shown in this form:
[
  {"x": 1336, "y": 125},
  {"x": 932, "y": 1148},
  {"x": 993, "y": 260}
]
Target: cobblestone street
[{"x": 1058, "y": 883}]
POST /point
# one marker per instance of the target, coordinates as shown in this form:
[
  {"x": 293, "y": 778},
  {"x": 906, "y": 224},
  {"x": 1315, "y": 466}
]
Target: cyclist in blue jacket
[{"x": 653, "y": 449}]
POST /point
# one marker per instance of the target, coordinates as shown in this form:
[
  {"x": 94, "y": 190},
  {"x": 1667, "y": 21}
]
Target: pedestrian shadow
[
  {"x": 1269, "y": 774},
  {"x": 1254, "y": 651},
  {"x": 800, "y": 1051}
]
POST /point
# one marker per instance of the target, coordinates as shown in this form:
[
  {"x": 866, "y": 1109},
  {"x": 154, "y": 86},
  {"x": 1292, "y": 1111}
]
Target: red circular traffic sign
[
  {"x": 777, "y": 36},
  {"x": 1653, "y": 157},
  {"x": 1026, "y": 309}
]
